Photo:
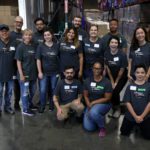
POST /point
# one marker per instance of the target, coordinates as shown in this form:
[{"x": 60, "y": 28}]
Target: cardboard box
[{"x": 9, "y": 10}]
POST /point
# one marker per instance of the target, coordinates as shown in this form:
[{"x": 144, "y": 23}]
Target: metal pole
[{"x": 66, "y": 13}]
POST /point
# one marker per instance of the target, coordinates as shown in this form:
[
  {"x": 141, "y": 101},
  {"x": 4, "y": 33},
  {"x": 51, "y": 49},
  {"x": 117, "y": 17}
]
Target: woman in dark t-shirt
[
  {"x": 139, "y": 52},
  {"x": 48, "y": 68},
  {"x": 137, "y": 99},
  {"x": 116, "y": 71},
  {"x": 97, "y": 93},
  {"x": 71, "y": 52}
]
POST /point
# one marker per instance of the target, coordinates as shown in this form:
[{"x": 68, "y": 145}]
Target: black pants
[
  {"x": 128, "y": 125},
  {"x": 16, "y": 92},
  {"x": 116, "y": 92}
]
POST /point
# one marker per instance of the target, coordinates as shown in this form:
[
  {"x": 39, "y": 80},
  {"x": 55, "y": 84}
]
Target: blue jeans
[
  {"x": 95, "y": 117},
  {"x": 46, "y": 81},
  {"x": 7, "y": 95},
  {"x": 28, "y": 89}
]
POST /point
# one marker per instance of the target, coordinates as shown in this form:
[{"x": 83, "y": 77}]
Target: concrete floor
[{"x": 43, "y": 132}]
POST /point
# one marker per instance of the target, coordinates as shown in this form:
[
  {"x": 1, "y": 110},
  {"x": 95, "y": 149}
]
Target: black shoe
[
  {"x": 9, "y": 111},
  {"x": 33, "y": 107},
  {"x": 17, "y": 107},
  {"x": 51, "y": 109},
  {"x": 28, "y": 113},
  {"x": 41, "y": 109}
]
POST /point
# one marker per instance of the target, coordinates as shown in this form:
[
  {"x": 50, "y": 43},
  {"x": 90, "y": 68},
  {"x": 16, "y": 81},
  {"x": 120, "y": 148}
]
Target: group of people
[{"x": 80, "y": 72}]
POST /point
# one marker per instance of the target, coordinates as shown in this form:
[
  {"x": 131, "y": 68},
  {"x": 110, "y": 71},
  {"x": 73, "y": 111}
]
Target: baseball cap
[{"x": 4, "y": 26}]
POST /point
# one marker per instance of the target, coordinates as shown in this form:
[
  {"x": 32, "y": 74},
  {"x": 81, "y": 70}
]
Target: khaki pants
[{"x": 72, "y": 105}]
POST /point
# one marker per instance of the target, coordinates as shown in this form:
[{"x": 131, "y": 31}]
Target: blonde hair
[{"x": 27, "y": 31}]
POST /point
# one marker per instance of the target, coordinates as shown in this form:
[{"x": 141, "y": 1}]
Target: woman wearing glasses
[{"x": 97, "y": 93}]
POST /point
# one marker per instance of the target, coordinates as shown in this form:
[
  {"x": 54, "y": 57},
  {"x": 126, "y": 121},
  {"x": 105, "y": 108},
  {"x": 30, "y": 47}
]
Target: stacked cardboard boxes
[{"x": 7, "y": 15}]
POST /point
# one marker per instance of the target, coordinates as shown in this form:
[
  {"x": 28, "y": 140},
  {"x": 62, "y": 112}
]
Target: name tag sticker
[
  {"x": 14, "y": 77},
  {"x": 72, "y": 46},
  {"x": 26, "y": 84},
  {"x": 116, "y": 58},
  {"x": 66, "y": 87},
  {"x": 12, "y": 48},
  {"x": 80, "y": 37},
  {"x": 87, "y": 44},
  {"x": 133, "y": 88},
  {"x": 96, "y": 45},
  {"x": 93, "y": 84}
]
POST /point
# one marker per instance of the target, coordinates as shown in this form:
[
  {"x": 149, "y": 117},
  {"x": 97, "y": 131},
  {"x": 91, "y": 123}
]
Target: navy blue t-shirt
[
  {"x": 16, "y": 36},
  {"x": 105, "y": 39},
  {"x": 49, "y": 57},
  {"x": 7, "y": 61},
  {"x": 67, "y": 92},
  {"x": 38, "y": 37},
  {"x": 26, "y": 54},
  {"x": 140, "y": 56},
  {"x": 115, "y": 62},
  {"x": 92, "y": 52},
  {"x": 69, "y": 55},
  {"x": 82, "y": 35},
  {"x": 96, "y": 90},
  {"x": 138, "y": 96}
]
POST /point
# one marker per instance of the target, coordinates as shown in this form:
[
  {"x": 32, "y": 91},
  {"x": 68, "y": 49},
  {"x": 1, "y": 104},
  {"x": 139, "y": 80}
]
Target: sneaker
[
  {"x": 41, "y": 109},
  {"x": 102, "y": 132},
  {"x": 117, "y": 114},
  {"x": 9, "y": 111},
  {"x": 17, "y": 107},
  {"x": 32, "y": 107},
  {"x": 28, "y": 113}
]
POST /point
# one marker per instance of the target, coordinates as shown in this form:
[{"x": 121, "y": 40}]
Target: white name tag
[
  {"x": 133, "y": 88},
  {"x": 87, "y": 44},
  {"x": 96, "y": 45},
  {"x": 80, "y": 37},
  {"x": 73, "y": 47},
  {"x": 66, "y": 87},
  {"x": 14, "y": 77},
  {"x": 12, "y": 48},
  {"x": 93, "y": 84},
  {"x": 116, "y": 58},
  {"x": 74, "y": 87},
  {"x": 26, "y": 84}
]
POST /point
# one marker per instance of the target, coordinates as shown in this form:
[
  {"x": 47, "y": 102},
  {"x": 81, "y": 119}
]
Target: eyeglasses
[{"x": 19, "y": 22}]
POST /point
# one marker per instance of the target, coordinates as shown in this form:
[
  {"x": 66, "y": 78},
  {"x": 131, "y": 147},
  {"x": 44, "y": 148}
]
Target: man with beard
[
  {"x": 68, "y": 95},
  {"x": 113, "y": 25},
  {"x": 40, "y": 26},
  {"x": 77, "y": 24}
]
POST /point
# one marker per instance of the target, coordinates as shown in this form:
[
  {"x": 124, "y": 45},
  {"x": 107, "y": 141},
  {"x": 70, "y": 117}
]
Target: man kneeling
[{"x": 68, "y": 95}]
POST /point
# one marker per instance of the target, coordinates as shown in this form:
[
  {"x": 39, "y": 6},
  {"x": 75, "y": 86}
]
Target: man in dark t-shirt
[
  {"x": 16, "y": 35},
  {"x": 82, "y": 34},
  {"x": 68, "y": 95},
  {"x": 113, "y": 25},
  {"x": 7, "y": 69}
]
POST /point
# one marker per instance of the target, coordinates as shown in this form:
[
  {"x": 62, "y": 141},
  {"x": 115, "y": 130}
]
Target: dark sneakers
[
  {"x": 41, "y": 109},
  {"x": 17, "y": 107},
  {"x": 9, "y": 111},
  {"x": 28, "y": 113},
  {"x": 32, "y": 107}
]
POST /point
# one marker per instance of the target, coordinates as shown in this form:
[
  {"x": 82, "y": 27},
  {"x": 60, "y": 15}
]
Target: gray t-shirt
[
  {"x": 49, "y": 57},
  {"x": 67, "y": 92},
  {"x": 97, "y": 90},
  {"x": 138, "y": 96}
]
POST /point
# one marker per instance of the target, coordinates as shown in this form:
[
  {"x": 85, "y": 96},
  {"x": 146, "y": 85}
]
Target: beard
[{"x": 69, "y": 78}]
